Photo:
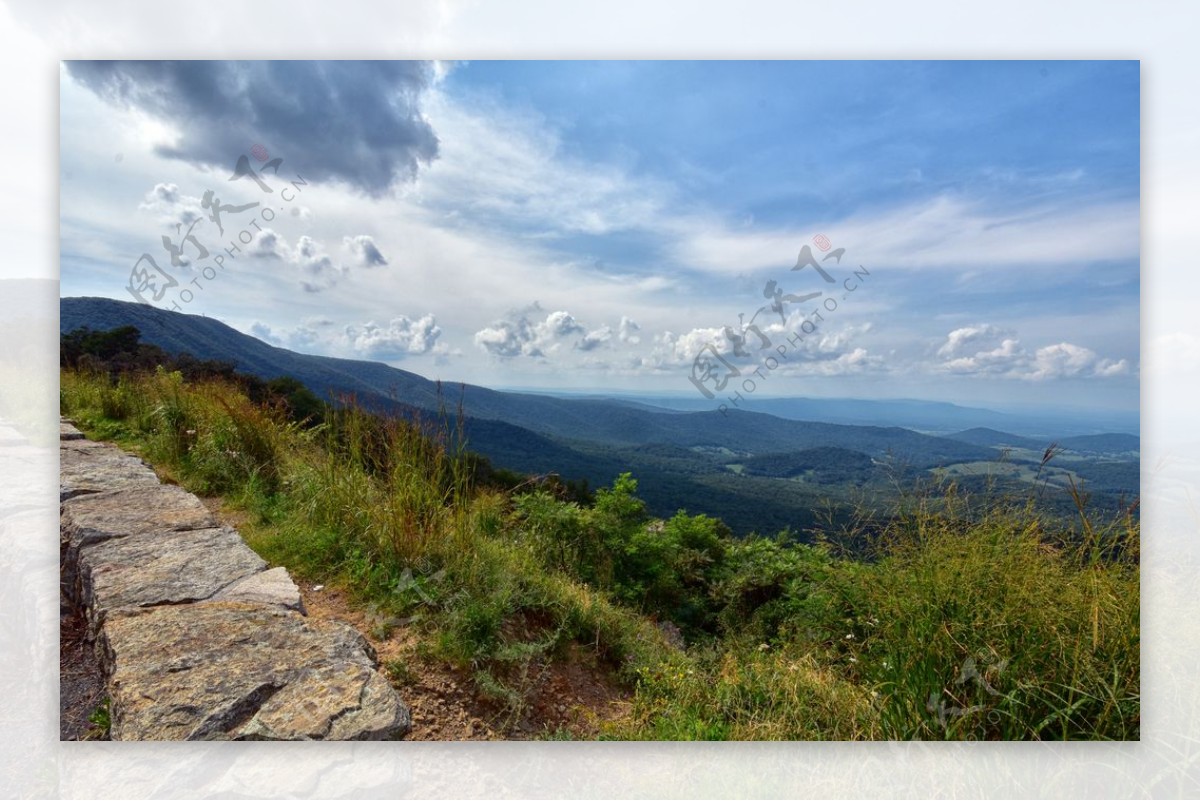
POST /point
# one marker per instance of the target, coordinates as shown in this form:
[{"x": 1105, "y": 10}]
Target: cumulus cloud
[
  {"x": 267, "y": 244},
  {"x": 1065, "y": 360},
  {"x": 359, "y": 122},
  {"x": 678, "y": 350},
  {"x": 958, "y": 339},
  {"x": 520, "y": 336},
  {"x": 558, "y": 324},
  {"x": 316, "y": 270},
  {"x": 594, "y": 339},
  {"x": 171, "y": 206},
  {"x": 627, "y": 332},
  {"x": 400, "y": 337},
  {"x": 832, "y": 352},
  {"x": 366, "y": 252},
  {"x": 987, "y": 350}
]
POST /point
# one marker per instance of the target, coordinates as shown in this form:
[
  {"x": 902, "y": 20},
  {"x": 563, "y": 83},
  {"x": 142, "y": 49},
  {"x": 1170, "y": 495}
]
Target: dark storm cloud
[{"x": 358, "y": 122}]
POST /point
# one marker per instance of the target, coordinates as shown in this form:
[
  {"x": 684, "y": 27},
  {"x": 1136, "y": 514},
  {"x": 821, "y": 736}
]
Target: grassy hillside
[{"x": 962, "y": 623}]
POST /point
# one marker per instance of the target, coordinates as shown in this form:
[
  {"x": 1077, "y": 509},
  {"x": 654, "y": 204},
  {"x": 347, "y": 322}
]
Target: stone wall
[{"x": 197, "y": 638}]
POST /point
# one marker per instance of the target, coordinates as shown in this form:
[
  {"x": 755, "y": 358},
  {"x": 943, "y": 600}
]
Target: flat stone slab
[
  {"x": 273, "y": 587},
  {"x": 231, "y": 670},
  {"x": 130, "y": 512},
  {"x": 170, "y": 567},
  {"x": 87, "y": 466},
  {"x": 86, "y": 520},
  {"x": 66, "y": 431}
]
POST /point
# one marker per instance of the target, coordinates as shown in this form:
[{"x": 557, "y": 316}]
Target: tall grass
[{"x": 986, "y": 630}]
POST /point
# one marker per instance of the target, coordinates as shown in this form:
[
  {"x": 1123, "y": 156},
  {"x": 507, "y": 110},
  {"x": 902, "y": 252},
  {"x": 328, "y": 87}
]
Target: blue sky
[{"x": 596, "y": 225}]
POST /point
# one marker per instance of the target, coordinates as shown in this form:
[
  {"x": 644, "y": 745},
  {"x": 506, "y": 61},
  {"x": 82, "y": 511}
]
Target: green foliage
[{"x": 100, "y": 719}]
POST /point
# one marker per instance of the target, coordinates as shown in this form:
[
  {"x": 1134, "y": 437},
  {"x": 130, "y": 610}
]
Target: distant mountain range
[
  {"x": 611, "y": 422},
  {"x": 1088, "y": 443},
  {"x": 732, "y": 465},
  {"x": 923, "y": 415}
]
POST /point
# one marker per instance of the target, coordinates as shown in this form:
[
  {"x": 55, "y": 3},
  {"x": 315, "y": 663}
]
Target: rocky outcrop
[{"x": 197, "y": 638}]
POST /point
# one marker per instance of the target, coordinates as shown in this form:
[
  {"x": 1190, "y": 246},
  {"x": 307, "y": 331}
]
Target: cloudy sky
[{"x": 964, "y": 231}]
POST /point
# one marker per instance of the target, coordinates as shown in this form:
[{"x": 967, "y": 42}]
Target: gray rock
[
  {"x": 152, "y": 569},
  {"x": 87, "y": 520},
  {"x": 273, "y": 587},
  {"x": 130, "y": 512},
  {"x": 227, "y": 670},
  {"x": 66, "y": 431},
  {"x": 87, "y": 466}
]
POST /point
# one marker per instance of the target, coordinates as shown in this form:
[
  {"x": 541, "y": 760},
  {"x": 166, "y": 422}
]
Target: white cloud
[
  {"x": 170, "y": 206},
  {"x": 594, "y": 339},
  {"x": 520, "y": 336},
  {"x": 267, "y": 244},
  {"x": 852, "y": 362},
  {"x": 400, "y": 337},
  {"x": 365, "y": 251},
  {"x": 1065, "y": 360},
  {"x": 957, "y": 339},
  {"x": 627, "y": 332},
  {"x": 988, "y": 350},
  {"x": 680, "y": 350},
  {"x": 315, "y": 269},
  {"x": 821, "y": 353}
]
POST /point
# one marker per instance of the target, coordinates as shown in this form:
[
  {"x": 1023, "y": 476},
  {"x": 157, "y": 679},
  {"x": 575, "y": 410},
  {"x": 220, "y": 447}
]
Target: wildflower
[
  {"x": 764, "y": 647},
  {"x": 850, "y": 636}
]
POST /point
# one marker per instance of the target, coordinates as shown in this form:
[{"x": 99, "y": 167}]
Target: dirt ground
[
  {"x": 568, "y": 699},
  {"x": 80, "y": 680}
]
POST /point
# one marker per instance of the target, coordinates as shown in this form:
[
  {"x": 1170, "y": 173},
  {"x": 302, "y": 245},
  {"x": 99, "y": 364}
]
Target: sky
[{"x": 959, "y": 231}]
